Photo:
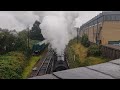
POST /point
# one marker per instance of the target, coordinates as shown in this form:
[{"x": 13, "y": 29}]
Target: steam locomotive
[{"x": 60, "y": 62}]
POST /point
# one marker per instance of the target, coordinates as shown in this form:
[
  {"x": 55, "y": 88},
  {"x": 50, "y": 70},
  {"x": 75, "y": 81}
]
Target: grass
[
  {"x": 33, "y": 60},
  {"x": 77, "y": 56},
  {"x": 30, "y": 65},
  {"x": 80, "y": 51},
  {"x": 94, "y": 60},
  {"x": 14, "y": 65}
]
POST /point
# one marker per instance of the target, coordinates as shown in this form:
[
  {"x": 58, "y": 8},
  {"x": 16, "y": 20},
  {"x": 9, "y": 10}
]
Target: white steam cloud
[
  {"x": 58, "y": 29},
  {"x": 54, "y": 29}
]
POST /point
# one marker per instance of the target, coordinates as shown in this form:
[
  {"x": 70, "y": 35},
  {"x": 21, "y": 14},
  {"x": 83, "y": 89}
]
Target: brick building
[{"x": 103, "y": 28}]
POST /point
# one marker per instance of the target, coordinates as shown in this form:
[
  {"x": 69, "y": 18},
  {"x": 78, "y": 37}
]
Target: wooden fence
[{"x": 110, "y": 51}]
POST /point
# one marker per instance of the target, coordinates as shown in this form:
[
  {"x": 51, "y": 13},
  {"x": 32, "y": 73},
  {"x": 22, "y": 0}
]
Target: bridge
[{"x": 109, "y": 70}]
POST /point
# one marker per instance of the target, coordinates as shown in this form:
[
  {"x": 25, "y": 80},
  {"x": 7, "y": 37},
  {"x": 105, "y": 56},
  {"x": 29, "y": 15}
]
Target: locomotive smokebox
[{"x": 60, "y": 63}]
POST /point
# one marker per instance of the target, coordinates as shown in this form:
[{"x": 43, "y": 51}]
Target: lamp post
[{"x": 28, "y": 48}]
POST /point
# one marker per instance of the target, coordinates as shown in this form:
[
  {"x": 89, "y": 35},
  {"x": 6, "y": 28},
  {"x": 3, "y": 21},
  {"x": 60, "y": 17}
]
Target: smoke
[{"x": 58, "y": 28}]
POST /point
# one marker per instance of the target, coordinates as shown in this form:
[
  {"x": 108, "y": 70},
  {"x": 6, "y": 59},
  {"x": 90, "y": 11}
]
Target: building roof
[{"x": 104, "y": 16}]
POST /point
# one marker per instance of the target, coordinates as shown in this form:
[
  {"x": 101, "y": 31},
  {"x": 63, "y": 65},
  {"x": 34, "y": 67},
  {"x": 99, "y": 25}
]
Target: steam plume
[{"x": 58, "y": 29}]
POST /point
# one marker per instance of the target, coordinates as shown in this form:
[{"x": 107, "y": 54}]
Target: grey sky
[{"x": 19, "y": 20}]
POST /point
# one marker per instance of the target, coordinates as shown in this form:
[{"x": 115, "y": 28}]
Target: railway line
[
  {"x": 44, "y": 66},
  {"x": 48, "y": 64}
]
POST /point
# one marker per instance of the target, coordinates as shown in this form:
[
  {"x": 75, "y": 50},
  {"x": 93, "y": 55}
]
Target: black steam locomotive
[{"x": 60, "y": 63}]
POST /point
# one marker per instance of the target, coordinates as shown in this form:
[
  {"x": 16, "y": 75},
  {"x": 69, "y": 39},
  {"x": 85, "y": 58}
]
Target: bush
[
  {"x": 12, "y": 65},
  {"x": 94, "y": 50},
  {"x": 84, "y": 40},
  {"x": 8, "y": 73},
  {"x": 28, "y": 53}
]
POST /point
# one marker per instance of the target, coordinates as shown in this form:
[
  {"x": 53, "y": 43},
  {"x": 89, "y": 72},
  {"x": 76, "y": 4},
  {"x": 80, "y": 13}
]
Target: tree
[
  {"x": 85, "y": 40},
  {"x": 7, "y": 41},
  {"x": 12, "y": 41},
  {"x": 21, "y": 41},
  {"x": 35, "y": 32},
  {"x": 94, "y": 50}
]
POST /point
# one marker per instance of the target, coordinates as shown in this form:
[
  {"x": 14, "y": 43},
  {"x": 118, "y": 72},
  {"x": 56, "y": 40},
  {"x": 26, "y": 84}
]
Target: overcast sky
[{"x": 19, "y": 20}]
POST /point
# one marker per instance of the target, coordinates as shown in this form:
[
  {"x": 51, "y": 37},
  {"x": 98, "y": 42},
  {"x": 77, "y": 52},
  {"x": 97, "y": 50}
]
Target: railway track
[{"x": 45, "y": 66}]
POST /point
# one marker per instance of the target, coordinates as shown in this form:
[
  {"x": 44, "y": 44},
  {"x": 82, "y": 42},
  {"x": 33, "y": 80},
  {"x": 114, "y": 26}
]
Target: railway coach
[{"x": 39, "y": 47}]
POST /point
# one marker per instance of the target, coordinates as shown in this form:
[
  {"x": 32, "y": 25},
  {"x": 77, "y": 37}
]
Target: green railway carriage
[{"x": 39, "y": 47}]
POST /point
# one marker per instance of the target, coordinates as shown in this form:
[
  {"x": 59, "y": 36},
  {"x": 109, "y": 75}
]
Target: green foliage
[
  {"x": 93, "y": 61},
  {"x": 12, "y": 65},
  {"x": 94, "y": 50},
  {"x": 14, "y": 53},
  {"x": 85, "y": 41},
  {"x": 35, "y": 32},
  {"x": 12, "y": 41},
  {"x": 30, "y": 65},
  {"x": 81, "y": 57},
  {"x": 28, "y": 53},
  {"x": 70, "y": 55},
  {"x": 7, "y": 40},
  {"x": 21, "y": 41}
]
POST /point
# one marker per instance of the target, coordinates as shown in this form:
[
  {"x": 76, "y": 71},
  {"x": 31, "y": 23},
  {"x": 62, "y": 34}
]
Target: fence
[{"x": 110, "y": 51}]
